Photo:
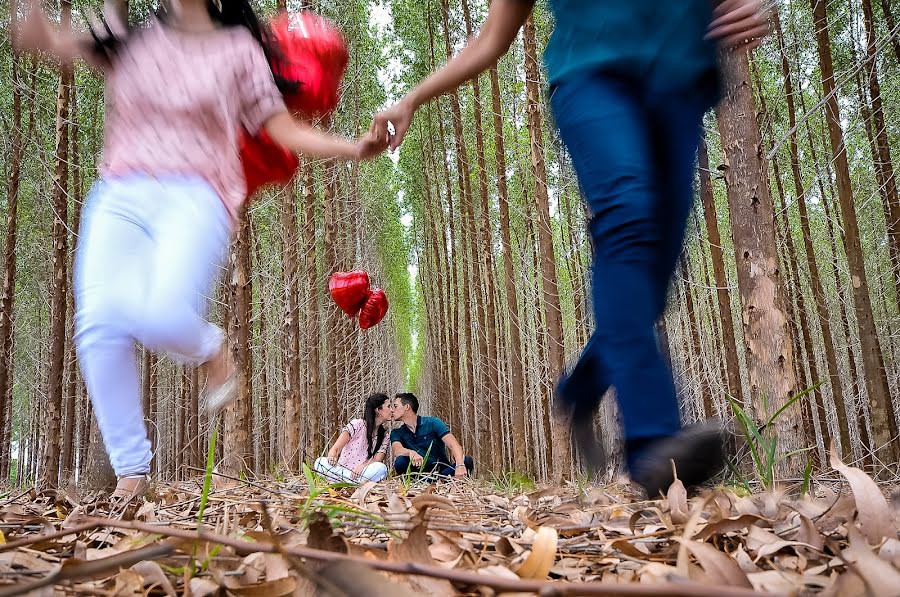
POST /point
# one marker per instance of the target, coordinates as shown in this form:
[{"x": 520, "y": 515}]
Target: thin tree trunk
[
  {"x": 695, "y": 358},
  {"x": 8, "y": 292},
  {"x": 837, "y": 391},
  {"x": 467, "y": 243},
  {"x": 50, "y": 464},
  {"x": 313, "y": 333},
  {"x": 883, "y": 164},
  {"x": 892, "y": 26},
  {"x": 291, "y": 329},
  {"x": 562, "y": 457},
  {"x": 767, "y": 339},
  {"x": 237, "y": 443},
  {"x": 884, "y": 421},
  {"x": 487, "y": 315},
  {"x": 732, "y": 365}
]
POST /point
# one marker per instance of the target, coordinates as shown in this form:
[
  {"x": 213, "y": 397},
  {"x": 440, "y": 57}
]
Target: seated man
[{"x": 418, "y": 437}]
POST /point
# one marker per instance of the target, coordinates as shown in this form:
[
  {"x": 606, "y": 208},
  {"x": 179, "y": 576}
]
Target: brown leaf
[
  {"x": 543, "y": 554},
  {"x": 890, "y": 552},
  {"x": 322, "y": 536},
  {"x": 874, "y": 514},
  {"x": 807, "y": 533},
  {"x": 429, "y": 500},
  {"x": 677, "y": 498},
  {"x": 128, "y": 582},
  {"x": 719, "y": 567},
  {"x": 202, "y": 587},
  {"x": 276, "y": 567},
  {"x": 882, "y": 579},
  {"x": 154, "y": 576},
  {"x": 415, "y": 549},
  {"x": 727, "y": 525}
]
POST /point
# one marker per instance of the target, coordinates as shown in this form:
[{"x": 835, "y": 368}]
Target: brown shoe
[{"x": 131, "y": 488}]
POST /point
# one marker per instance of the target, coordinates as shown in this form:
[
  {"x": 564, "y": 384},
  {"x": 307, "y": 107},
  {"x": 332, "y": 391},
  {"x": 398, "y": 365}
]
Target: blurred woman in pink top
[{"x": 157, "y": 224}]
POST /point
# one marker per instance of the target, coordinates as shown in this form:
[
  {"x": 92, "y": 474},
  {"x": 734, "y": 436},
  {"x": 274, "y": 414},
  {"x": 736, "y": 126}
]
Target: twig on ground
[{"x": 675, "y": 589}]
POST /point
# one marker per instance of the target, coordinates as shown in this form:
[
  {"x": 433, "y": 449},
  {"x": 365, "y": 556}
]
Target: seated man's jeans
[{"x": 403, "y": 466}]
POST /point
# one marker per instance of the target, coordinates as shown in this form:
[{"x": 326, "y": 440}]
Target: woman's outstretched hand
[
  {"x": 739, "y": 23},
  {"x": 370, "y": 145}
]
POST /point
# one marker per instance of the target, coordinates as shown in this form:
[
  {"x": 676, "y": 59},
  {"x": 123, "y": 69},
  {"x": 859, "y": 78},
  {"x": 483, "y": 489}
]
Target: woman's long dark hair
[
  {"x": 373, "y": 403},
  {"x": 230, "y": 13}
]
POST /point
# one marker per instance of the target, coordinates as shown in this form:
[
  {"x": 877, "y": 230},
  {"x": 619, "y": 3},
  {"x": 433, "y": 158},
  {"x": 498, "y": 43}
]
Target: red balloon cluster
[
  {"x": 311, "y": 54},
  {"x": 350, "y": 291}
]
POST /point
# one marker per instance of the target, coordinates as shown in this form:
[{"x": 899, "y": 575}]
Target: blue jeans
[
  {"x": 402, "y": 466},
  {"x": 633, "y": 151}
]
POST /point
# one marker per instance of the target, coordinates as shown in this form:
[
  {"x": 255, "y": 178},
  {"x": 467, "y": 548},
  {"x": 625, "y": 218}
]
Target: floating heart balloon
[
  {"x": 350, "y": 290},
  {"x": 374, "y": 310}
]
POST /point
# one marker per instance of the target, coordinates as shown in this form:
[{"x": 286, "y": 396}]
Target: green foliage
[
  {"x": 512, "y": 483},
  {"x": 763, "y": 442}
]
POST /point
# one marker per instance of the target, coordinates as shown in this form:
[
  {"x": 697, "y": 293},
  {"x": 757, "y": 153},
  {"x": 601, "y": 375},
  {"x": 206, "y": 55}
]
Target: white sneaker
[{"x": 218, "y": 398}]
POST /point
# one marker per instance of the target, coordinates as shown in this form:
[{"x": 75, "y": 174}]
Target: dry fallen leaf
[
  {"x": 720, "y": 568},
  {"x": 875, "y": 517},
  {"x": 882, "y": 579},
  {"x": 543, "y": 554}
]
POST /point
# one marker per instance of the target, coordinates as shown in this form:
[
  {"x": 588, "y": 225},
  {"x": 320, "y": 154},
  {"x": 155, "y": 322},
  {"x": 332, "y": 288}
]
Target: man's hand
[
  {"x": 416, "y": 459},
  {"x": 461, "y": 471},
  {"x": 400, "y": 115},
  {"x": 739, "y": 23}
]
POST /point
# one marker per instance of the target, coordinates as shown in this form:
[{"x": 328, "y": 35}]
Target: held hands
[
  {"x": 739, "y": 24},
  {"x": 371, "y": 144},
  {"x": 400, "y": 115}
]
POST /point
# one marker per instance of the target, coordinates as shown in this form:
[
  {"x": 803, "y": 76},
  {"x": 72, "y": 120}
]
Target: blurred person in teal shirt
[{"x": 630, "y": 82}]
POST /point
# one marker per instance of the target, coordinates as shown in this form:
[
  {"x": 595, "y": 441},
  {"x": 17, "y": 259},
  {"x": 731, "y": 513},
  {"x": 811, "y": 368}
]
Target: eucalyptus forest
[{"x": 783, "y": 320}]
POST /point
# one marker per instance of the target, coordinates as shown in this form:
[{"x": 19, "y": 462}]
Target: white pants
[
  {"x": 376, "y": 471},
  {"x": 148, "y": 253}
]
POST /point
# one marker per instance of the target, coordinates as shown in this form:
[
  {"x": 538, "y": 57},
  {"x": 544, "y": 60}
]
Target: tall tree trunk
[
  {"x": 883, "y": 163},
  {"x": 237, "y": 442},
  {"x": 8, "y": 292},
  {"x": 487, "y": 315},
  {"x": 291, "y": 329},
  {"x": 695, "y": 356},
  {"x": 815, "y": 279},
  {"x": 562, "y": 457},
  {"x": 766, "y": 337},
  {"x": 467, "y": 244},
  {"x": 732, "y": 365},
  {"x": 884, "y": 422},
  {"x": 72, "y": 377},
  {"x": 50, "y": 463},
  {"x": 313, "y": 333},
  {"x": 892, "y": 26}
]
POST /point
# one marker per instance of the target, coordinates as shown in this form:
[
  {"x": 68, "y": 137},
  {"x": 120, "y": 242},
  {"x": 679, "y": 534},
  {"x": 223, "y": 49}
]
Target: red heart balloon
[
  {"x": 350, "y": 290},
  {"x": 374, "y": 310}
]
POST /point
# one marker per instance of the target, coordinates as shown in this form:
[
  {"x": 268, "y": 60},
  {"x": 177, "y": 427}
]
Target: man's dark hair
[{"x": 410, "y": 399}]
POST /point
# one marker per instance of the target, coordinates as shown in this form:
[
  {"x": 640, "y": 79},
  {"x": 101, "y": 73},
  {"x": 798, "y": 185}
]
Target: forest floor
[{"x": 291, "y": 537}]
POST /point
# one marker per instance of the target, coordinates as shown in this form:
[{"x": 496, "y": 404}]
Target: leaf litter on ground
[{"x": 453, "y": 537}]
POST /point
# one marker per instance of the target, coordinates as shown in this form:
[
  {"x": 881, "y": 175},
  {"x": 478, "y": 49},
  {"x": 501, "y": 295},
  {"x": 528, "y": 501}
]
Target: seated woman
[{"x": 358, "y": 454}]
